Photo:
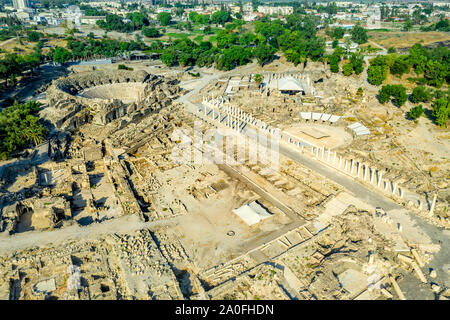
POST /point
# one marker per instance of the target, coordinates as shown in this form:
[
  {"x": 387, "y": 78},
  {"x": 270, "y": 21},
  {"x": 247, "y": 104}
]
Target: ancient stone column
[
  {"x": 352, "y": 164},
  {"x": 329, "y": 152},
  {"x": 433, "y": 204},
  {"x": 372, "y": 177},
  {"x": 394, "y": 187},
  {"x": 365, "y": 171},
  {"x": 334, "y": 158},
  {"x": 358, "y": 169},
  {"x": 380, "y": 175},
  {"x": 340, "y": 162}
]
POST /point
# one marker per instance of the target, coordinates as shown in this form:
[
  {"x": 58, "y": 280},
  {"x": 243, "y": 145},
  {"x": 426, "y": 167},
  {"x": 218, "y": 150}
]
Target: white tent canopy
[
  {"x": 289, "y": 84},
  {"x": 252, "y": 213}
]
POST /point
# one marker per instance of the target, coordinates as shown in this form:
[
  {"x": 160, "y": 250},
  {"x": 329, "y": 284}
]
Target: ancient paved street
[{"x": 397, "y": 212}]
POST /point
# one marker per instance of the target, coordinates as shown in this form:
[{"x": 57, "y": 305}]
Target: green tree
[
  {"x": 400, "y": 66},
  {"x": 334, "y": 67},
  {"x": 357, "y": 61},
  {"x": 338, "y": 33},
  {"x": 415, "y": 112},
  {"x": 407, "y": 26},
  {"x": 233, "y": 57},
  {"x": 258, "y": 79},
  {"x": 376, "y": 74},
  {"x": 164, "y": 18},
  {"x": 347, "y": 69},
  {"x": 193, "y": 16},
  {"x": 150, "y": 32},
  {"x": 359, "y": 34},
  {"x": 61, "y": 55},
  {"x": 441, "y": 111},
  {"x": 34, "y": 36},
  {"x": 264, "y": 54},
  {"x": 169, "y": 58},
  {"x": 436, "y": 73},
  {"x": 19, "y": 125},
  {"x": 220, "y": 17},
  {"x": 397, "y": 91},
  {"x": 255, "y": 4},
  {"x": 420, "y": 94}
]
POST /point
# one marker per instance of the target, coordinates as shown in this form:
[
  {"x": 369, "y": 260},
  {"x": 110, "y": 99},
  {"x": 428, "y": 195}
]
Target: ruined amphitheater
[{"x": 101, "y": 97}]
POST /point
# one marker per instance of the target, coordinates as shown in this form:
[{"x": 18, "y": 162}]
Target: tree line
[
  {"x": 13, "y": 65},
  {"x": 430, "y": 65},
  {"x": 296, "y": 39}
]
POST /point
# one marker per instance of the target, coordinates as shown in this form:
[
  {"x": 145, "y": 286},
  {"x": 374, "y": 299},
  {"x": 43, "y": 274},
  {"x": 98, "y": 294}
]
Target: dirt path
[
  {"x": 6, "y": 42},
  {"x": 125, "y": 224}
]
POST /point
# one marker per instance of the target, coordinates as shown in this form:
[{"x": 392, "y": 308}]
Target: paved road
[{"x": 124, "y": 224}]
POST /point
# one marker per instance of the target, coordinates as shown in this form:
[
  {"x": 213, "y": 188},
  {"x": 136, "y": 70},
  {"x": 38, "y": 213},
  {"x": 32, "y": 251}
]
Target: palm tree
[
  {"x": 34, "y": 132},
  {"x": 258, "y": 79}
]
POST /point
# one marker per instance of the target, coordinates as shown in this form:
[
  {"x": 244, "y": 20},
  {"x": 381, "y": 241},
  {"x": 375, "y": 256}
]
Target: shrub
[
  {"x": 334, "y": 67},
  {"x": 420, "y": 94},
  {"x": 415, "y": 112},
  {"x": 397, "y": 91},
  {"x": 347, "y": 69},
  {"x": 376, "y": 74},
  {"x": 151, "y": 32},
  {"x": 441, "y": 111}
]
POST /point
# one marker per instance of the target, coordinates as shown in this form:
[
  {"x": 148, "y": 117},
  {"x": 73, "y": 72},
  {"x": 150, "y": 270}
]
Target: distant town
[{"x": 346, "y": 13}]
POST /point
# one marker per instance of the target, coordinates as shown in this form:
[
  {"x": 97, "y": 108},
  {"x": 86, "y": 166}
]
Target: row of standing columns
[
  {"x": 355, "y": 168},
  {"x": 249, "y": 119},
  {"x": 358, "y": 169}
]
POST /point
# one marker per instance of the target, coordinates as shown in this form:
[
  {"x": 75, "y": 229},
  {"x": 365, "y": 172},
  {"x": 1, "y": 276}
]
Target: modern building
[
  {"x": 91, "y": 19},
  {"x": 21, "y": 4}
]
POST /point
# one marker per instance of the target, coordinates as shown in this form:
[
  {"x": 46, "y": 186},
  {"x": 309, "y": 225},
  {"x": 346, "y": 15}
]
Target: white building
[
  {"x": 91, "y": 19},
  {"x": 73, "y": 15},
  {"x": 23, "y": 16},
  {"x": 249, "y": 17},
  {"x": 21, "y": 4},
  {"x": 275, "y": 10},
  {"x": 103, "y": 4}
]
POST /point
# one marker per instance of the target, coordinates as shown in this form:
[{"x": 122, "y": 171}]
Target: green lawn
[
  {"x": 198, "y": 38},
  {"x": 179, "y": 35}
]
